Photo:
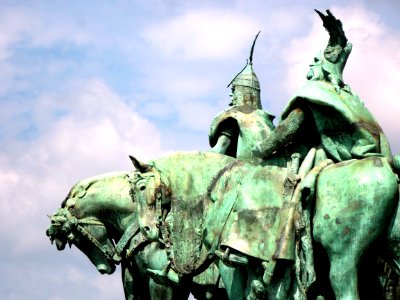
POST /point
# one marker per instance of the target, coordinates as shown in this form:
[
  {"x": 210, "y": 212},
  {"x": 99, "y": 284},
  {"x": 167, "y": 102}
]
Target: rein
[
  {"x": 162, "y": 198},
  {"x": 108, "y": 254},
  {"x": 132, "y": 234},
  {"x": 70, "y": 222}
]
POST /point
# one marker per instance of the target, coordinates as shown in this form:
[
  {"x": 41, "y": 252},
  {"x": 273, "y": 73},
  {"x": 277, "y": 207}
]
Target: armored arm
[{"x": 283, "y": 134}]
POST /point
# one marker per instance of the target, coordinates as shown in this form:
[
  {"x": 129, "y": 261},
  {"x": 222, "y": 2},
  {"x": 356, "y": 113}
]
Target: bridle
[
  {"x": 160, "y": 197},
  {"x": 104, "y": 250},
  {"x": 69, "y": 223}
]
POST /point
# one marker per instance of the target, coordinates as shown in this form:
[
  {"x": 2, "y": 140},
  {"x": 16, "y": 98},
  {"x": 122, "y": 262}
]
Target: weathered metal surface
[
  {"x": 257, "y": 217},
  {"x": 347, "y": 129},
  {"x": 104, "y": 202},
  {"x": 234, "y": 131},
  {"x": 249, "y": 125},
  {"x": 257, "y": 193},
  {"x": 251, "y": 199}
]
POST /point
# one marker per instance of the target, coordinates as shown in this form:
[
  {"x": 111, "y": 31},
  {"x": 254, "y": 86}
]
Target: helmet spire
[
  {"x": 252, "y": 49},
  {"x": 246, "y": 77}
]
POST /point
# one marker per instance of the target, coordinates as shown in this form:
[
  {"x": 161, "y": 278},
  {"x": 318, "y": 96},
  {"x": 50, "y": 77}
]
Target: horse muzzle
[{"x": 104, "y": 268}]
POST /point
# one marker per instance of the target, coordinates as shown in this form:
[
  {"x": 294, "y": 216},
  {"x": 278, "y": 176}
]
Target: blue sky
[{"x": 83, "y": 85}]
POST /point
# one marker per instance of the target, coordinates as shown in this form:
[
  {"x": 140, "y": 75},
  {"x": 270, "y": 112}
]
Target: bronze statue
[
  {"x": 99, "y": 217},
  {"x": 304, "y": 210},
  {"x": 325, "y": 113},
  {"x": 247, "y": 225},
  {"x": 237, "y": 129}
]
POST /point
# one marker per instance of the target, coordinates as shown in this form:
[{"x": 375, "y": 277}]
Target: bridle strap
[
  {"x": 90, "y": 222},
  {"x": 158, "y": 194},
  {"x": 136, "y": 241},
  {"x": 162, "y": 196},
  {"x": 129, "y": 233},
  {"x": 108, "y": 254},
  {"x": 132, "y": 231}
]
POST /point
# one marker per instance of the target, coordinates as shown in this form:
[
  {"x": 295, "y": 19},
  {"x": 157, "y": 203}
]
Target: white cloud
[
  {"x": 17, "y": 23},
  {"x": 202, "y": 34},
  {"x": 96, "y": 135},
  {"x": 28, "y": 31},
  {"x": 196, "y": 115},
  {"x": 30, "y": 27},
  {"x": 91, "y": 128}
]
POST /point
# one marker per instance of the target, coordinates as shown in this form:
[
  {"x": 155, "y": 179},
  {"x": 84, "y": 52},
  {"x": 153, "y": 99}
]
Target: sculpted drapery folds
[
  {"x": 294, "y": 211},
  {"x": 323, "y": 122},
  {"x": 325, "y": 112}
]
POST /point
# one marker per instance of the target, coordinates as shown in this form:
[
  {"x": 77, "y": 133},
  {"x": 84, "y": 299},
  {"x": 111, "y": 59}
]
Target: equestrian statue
[{"x": 306, "y": 209}]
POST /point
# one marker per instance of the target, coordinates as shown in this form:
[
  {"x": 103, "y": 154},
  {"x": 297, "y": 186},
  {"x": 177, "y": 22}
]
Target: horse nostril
[{"x": 146, "y": 228}]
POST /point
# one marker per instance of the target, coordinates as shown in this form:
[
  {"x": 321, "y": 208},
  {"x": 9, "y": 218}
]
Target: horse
[
  {"x": 99, "y": 217},
  {"x": 218, "y": 206}
]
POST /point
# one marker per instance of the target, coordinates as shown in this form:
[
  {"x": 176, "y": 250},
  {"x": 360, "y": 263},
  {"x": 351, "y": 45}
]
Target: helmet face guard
[{"x": 244, "y": 95}]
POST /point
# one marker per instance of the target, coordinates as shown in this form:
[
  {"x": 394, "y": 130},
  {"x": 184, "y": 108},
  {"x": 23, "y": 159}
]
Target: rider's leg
[
  {"x": 282, "y": 284},
  {"x": 234, "y": 280}
]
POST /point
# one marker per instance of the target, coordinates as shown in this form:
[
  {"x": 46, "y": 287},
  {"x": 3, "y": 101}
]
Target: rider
[
  {"x": 326, "y": 112},
  {"x": 238, "y": 128}
]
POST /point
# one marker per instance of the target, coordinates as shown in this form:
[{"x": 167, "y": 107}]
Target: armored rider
[
  {"x": 325, "y": 112},
  {"x": 324, "y": 115},
  {"x": 238, "y": 128}
]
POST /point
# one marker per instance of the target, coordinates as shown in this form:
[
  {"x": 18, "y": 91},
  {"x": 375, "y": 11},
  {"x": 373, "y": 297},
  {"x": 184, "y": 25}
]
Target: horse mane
[{"x": 179, "y": 161}]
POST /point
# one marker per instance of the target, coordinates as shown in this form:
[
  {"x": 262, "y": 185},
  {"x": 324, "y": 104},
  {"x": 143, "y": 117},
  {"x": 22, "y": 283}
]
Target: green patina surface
[{"x": 306, "y": 209}]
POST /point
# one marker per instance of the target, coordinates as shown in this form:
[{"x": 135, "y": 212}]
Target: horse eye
[{"x": 142, "y": 188}]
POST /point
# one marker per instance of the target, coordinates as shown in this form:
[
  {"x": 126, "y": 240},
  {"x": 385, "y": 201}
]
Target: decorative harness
[
  {"x": 161, "y": 197},
  {"x": 69, "y": 222}
]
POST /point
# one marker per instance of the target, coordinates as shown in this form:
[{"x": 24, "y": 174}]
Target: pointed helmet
[
  {"x": 245, "y": 85},
  {"x": 247, "y": 77}
]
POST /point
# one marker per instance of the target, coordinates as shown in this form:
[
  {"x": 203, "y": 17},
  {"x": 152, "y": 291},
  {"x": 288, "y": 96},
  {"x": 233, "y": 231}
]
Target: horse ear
[{"x": 141, "y": 167}]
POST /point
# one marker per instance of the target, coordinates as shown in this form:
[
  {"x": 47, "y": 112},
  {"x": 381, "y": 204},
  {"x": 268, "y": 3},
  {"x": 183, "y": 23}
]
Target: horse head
[
  {"x": 88, "y": 235},
  {"x": 152, "y": 198},
  {"x": 82, "y": 219}
]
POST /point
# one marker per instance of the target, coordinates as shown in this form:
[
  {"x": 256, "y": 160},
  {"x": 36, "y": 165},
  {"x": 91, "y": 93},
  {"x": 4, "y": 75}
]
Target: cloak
[{"x": 346, "y": 128}]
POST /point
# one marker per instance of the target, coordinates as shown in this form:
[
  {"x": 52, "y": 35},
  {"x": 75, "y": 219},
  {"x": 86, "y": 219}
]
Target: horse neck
[
  {"x": 107, "y": 199},
  {"x": 191, "y": 173}
]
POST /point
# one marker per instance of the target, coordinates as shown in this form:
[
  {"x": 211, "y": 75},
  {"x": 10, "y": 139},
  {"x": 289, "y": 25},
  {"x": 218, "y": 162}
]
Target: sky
[{"x": 84, "y": 84}]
